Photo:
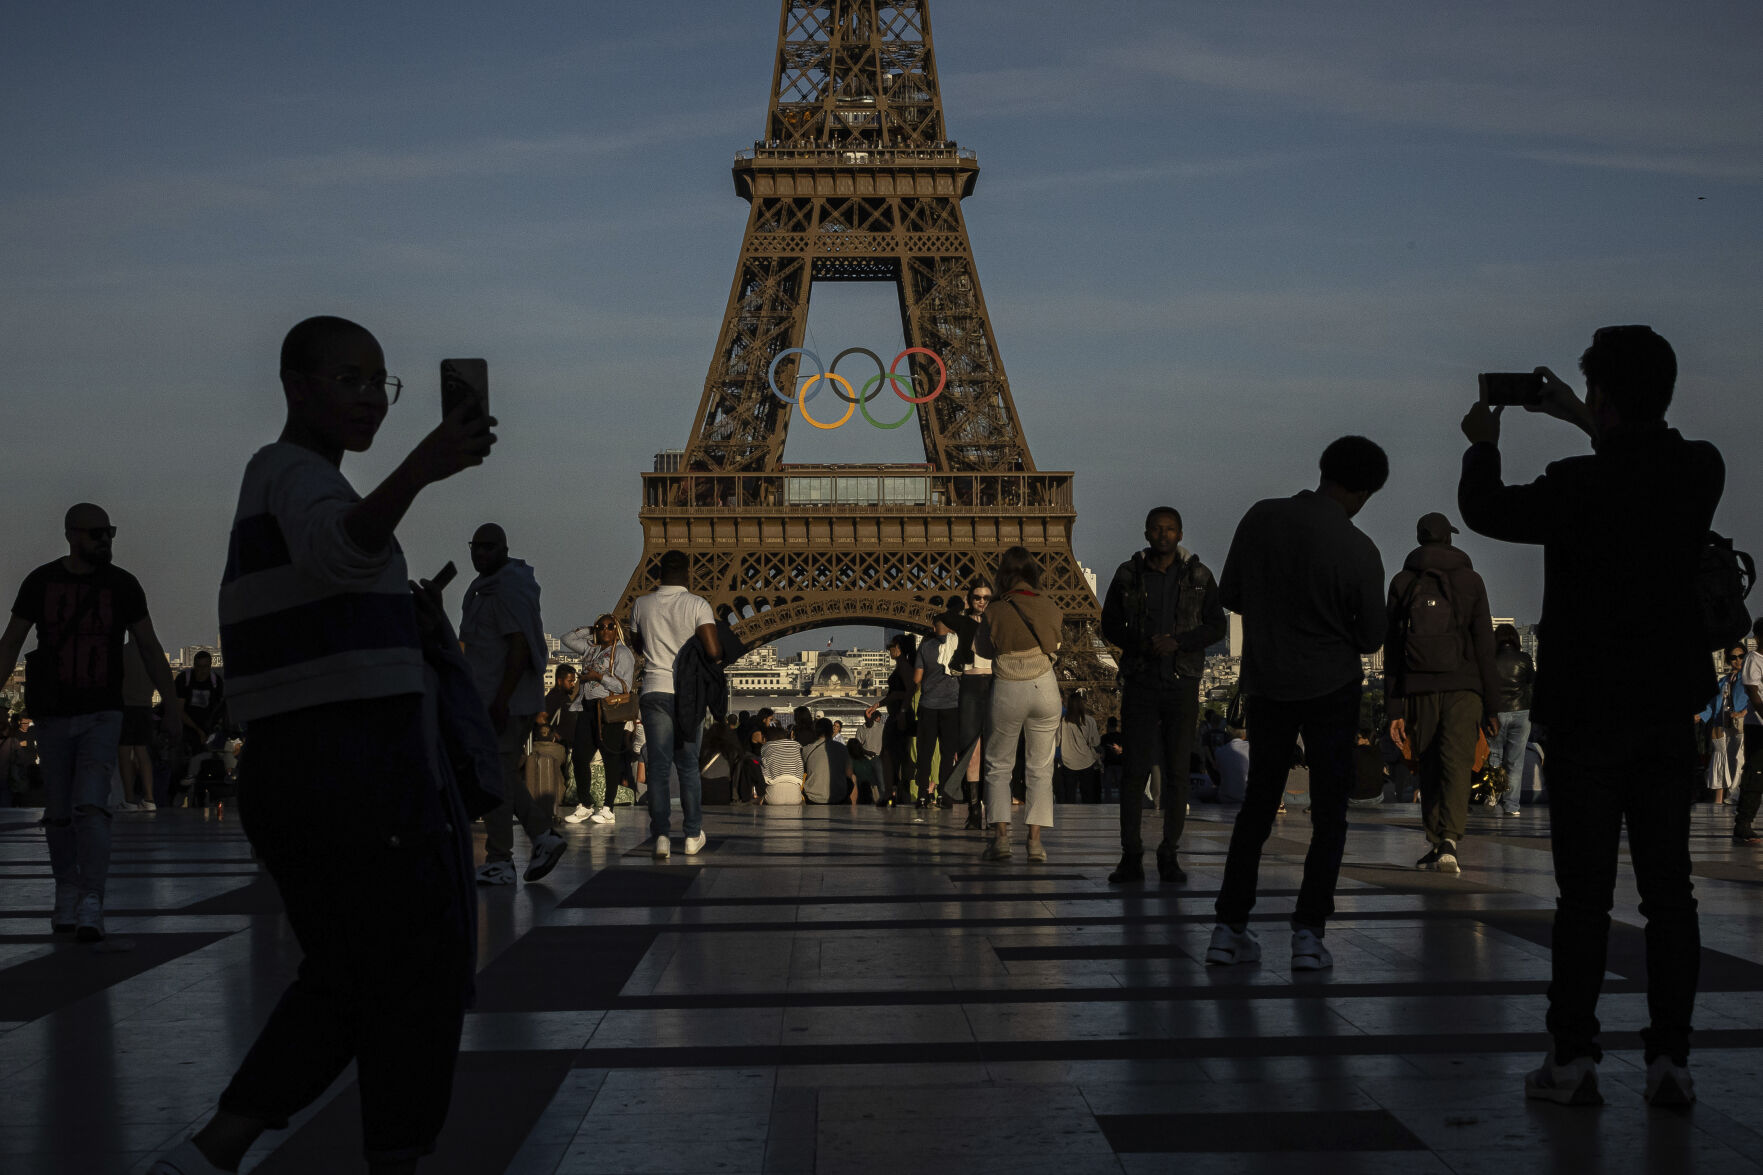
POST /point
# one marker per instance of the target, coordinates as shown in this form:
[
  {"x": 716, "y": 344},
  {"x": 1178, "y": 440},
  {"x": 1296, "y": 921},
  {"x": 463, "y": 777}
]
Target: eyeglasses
[
  {"x": 361, "y": 385},
  {"x": 94, "y": 532}
]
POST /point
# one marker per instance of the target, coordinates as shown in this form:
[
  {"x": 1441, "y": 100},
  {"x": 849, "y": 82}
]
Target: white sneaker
[
  {"x": 662, "y": 848},
  {"x": 128, "y": 806},
  {"x": 547, "y": 851},
  {"x": 184, "y": 1159},
  {"x": 1447, "y": 862},
  {"x": 149, "y": 806},
  {"x": 1669, "y": 1084},
  {"x": 695, "y": 844},
  {"x": 67, "y": 906},
  {"x": 1572, "y": 1084},
  {"x": 1308, "y": 953},
  {"x": 88, "y": 918},
  {"x": 496, "y": 873},
  {"x": 582, "y": 812},
  {"x": 604, "y": 816},
  {"x": 1229, "y": 947}
]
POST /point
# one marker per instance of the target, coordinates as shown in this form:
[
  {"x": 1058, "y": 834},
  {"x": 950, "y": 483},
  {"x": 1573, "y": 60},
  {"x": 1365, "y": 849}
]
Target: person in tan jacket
[{"x": 1020, "y": 635}]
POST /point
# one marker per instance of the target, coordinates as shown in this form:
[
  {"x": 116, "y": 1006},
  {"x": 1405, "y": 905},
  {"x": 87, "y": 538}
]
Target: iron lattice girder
[{"x": 856, "y": 181}]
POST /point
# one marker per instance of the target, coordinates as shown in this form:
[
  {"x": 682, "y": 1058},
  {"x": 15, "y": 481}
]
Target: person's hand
[
  {"x": 1490, "y": 726},
  {"x": 1398, "y": 730},
  {"x": 461, "y": 440},
  {"x": 1481, "y": 424},
  {"x": 1698, "y": 720},
  {"x": 1165, "y": 645},
  {"x": 869, "y": 713},
  {"x": 595, "y": 675},
  {"x": 431, "y": 612},
  {"x": 1561, "y": 401},
  {"x": 499, "y": 715}
]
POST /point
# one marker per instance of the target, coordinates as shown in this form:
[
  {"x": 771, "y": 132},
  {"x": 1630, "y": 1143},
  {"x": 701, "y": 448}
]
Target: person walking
[
  {"x": 1724, "y": 716},
  {"x": 325, "y": 641},
  {"x": 661, "y": 624},
  {"x": 1309, "y": 587},
  {"x": 939, "y": 712},
  {"x": 202, "y": 693},
  {"x": 1611, "y": 766},
  {"x": 1439, "y": 679},
  {"x": 976, "y": 700},
  {"x": 609, "y": 669},
  {"x": 504, "y": 642},
  {"x": 134, "y": 750},
  {"x": 1021, "y": 635},
  {"x": 1162, "y": 610},
  {"x": 82, "y": 605},
  {"x": 1515, "y": 673}
]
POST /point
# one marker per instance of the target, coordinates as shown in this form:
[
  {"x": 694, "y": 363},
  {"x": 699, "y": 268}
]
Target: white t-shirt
[
  {"x": 1751, "y": 674},
  {"x": 666, "y": 618}
]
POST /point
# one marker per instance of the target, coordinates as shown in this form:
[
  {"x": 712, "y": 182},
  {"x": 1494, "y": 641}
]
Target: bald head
[
  {"x": 88, "y": 533},
  {"x": 489, "y": 548}
]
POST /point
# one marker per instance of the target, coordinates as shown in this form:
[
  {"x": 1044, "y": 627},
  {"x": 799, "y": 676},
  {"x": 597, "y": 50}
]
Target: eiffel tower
[{"x": 856, "y": 180}]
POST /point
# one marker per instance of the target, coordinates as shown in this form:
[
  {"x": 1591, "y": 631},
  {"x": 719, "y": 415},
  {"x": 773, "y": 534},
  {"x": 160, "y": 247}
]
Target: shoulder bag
[{"x": 618, "y": 708}]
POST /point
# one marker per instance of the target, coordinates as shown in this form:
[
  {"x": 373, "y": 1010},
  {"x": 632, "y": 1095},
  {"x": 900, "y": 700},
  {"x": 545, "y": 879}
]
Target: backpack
[
  {"x": 1432, "y": 640},
  {"x": 1724, "y": 578}
]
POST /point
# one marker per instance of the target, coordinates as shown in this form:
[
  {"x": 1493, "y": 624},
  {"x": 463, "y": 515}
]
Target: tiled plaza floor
[{"x": 853, "y": 990}]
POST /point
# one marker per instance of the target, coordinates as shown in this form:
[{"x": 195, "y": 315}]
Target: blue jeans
[
  {"x": 663, "y": 761},
  {"x": 1506, "y": 748},
  {"x": 78, "y": 756}
]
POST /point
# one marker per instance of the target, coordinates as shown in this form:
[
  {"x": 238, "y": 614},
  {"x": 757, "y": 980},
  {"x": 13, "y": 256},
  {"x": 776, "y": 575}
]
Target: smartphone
[
  {"x": 444, "y": 576},
  {"x": 462, "y": 380},
  {"x": 1511, "y": 387}
]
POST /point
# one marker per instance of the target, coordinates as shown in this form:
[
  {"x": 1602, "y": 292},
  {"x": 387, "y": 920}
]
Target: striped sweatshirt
[{"x": 306, "y": 616}]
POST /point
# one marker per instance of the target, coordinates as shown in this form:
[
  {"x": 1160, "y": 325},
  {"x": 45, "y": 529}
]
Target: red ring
[{"x": 941, "y": 383}]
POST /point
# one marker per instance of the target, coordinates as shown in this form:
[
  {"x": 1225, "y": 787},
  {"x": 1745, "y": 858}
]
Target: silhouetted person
[
  {"x": 503, "y": 637},
  {"x": 1621, "y": 531},
  {"x": 1439, "y": 679},
  {"x": 1517, "y": 675},
  {"x": 1309, "y": 587},
  {"x": 81, "y": 605},
  {"x": 323, "y": 639},
  {"x": 1162, "y": 610}
]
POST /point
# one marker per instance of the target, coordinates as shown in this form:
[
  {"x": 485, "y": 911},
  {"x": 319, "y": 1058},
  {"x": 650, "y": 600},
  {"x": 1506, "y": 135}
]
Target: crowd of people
[{"x": 358, "y": 696}]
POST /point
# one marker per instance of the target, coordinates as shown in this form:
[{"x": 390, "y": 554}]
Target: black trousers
[
  {"x": 373, "y": 864},
  {"x": 976, "y": 712},
  {"x": 896, "y": 761},
  {"x": 1077, "y": 787},
  {"x": 1158, "y": 724},
  {"x": 938, "y": 731},
  {"x": 1638, "y": 772},
  {"x": 1750, "y": 783},
  {"x": 613, "y": 744},
  {"x": 1329, "y": 724}
]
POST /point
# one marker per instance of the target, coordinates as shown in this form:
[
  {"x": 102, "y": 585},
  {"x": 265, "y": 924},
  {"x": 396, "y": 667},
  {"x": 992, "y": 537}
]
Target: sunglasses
[
  {"x": 977, "y": 599},
  {"x": 605, "y": 628},
  {"x": 94, "y": 532}
]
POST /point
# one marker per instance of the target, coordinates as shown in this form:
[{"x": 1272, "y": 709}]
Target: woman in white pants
[
  {"x": 1725, "y": 719},
  {"x": 1020, "y": 634}
]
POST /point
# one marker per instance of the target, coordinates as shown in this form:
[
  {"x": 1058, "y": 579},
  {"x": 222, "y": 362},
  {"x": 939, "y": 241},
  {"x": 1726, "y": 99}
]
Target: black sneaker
[
  {"x": 974, "y": 822},
  {"x": 1129, "y": 870},
  {"x": 1429, "y": 861},
  {"x": 1746, "y": 837},
  {"x": 1169, "y": 870}
]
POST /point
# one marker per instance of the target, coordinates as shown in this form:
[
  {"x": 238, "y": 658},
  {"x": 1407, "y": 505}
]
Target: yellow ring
[{"x": 850, "y": 405}]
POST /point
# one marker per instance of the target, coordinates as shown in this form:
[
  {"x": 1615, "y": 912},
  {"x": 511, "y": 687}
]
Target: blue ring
[{"x": 771, "y": 374}]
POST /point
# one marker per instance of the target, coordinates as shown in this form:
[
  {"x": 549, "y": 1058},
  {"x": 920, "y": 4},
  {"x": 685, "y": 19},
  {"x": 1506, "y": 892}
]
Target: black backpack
[
  {"x": 1723, "y": 579},
  {"x": 1432, "y": 639}
]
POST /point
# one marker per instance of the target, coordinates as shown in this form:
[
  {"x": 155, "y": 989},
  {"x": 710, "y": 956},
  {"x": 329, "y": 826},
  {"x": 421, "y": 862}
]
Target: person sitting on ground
[
  {"x": 784, "y": 769},
  {"x": 828, "y": 778}
]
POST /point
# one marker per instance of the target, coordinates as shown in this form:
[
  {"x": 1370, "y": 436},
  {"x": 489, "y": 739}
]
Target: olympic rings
[
  {"x": 802, "y": 398},
  {"x": 858, "y": 398}
]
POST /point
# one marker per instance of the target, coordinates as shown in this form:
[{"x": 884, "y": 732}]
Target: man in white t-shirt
[
  {"x": 1751, "y": 782},
  {"x": 661, "y": 624}
]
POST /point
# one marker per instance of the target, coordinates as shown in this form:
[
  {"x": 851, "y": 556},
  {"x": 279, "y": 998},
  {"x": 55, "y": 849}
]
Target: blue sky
[{"x": 1211, "y": 238}]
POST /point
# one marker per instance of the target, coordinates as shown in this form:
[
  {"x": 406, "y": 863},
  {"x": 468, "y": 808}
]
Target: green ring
[{"x": 863, "y": 400}]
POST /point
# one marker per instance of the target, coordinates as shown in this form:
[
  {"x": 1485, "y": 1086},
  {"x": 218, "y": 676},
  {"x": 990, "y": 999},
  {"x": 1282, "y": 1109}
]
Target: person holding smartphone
[
  {"x": 1621, "y": 530},
  {"x": 324, "y": 643}
]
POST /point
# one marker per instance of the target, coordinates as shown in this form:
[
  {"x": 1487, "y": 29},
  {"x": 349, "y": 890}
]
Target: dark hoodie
[{"x": 1469, "y": 604}]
